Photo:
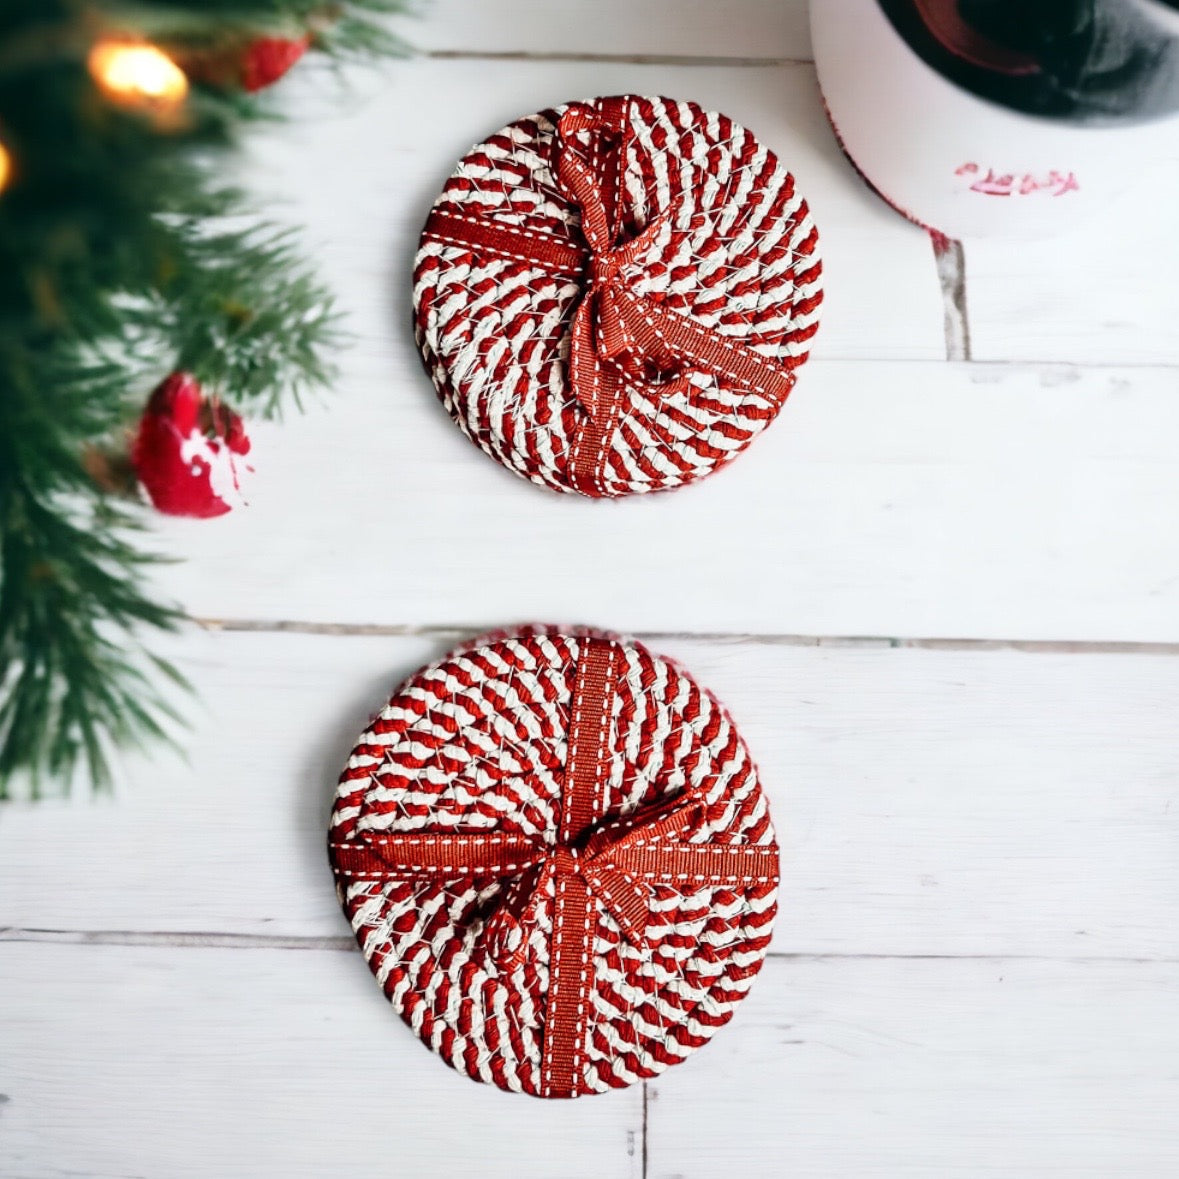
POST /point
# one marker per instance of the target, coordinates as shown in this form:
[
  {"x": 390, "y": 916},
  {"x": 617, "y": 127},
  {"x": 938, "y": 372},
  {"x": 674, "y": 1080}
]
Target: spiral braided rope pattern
[
  {"x": 736, "y": 253},
  {"x": 477, "y": 742}
]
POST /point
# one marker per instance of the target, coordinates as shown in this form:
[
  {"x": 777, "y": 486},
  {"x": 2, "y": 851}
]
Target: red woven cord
[
  {"x": 592, "y": 865},
  {"x": 611, "y": 323}
]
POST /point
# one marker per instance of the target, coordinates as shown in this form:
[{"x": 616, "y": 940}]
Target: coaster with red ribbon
[
  {"x": 557, "y": 859},
  {"x": 613, "y": 297}
]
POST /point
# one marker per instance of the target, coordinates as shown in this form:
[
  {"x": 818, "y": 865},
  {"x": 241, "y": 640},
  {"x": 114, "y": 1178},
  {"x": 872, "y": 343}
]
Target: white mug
[{"x": 976, "y": 129}]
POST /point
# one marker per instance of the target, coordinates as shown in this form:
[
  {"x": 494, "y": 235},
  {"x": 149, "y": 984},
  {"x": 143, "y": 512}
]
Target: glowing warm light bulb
[
  {"x": 137, "y": 74},
  {"x": 5, "y": 166}
]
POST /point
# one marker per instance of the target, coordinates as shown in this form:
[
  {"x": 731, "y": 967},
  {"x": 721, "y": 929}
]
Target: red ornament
[
  {"x": 557, "y": 858},
  {"x": 188, "y": 451},
  {"x": 268, "y": 58}
]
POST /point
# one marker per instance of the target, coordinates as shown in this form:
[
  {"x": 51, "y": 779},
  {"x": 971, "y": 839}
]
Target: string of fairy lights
[
  {"x": 132, "y": 74},
  {"x": 137, "y": 74}
]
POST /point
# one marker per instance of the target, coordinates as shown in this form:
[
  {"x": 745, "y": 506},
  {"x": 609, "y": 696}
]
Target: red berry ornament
[
  {"x": 188, "y": 452},
  {"x": 268, "y": 58}
]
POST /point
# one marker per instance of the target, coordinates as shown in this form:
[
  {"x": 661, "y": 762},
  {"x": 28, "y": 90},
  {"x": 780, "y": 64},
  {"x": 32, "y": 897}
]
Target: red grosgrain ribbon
[
  {"x": 593, "y": 865},
  {"x": 612, "y": 324}
]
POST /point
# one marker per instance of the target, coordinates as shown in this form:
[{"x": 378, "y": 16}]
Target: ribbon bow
[
  {"x": 610, "y": 866},
  {"x": 614, "y": 329}
]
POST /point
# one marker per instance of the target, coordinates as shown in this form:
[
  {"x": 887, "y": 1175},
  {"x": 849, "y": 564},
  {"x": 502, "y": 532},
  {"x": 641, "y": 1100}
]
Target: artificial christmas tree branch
[{"x": 122, "y": 259}]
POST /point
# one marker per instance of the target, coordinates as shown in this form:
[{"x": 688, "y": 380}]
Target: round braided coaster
[
  {"x": 557, "y": 860},
  {"x": 612, "y": 297}
]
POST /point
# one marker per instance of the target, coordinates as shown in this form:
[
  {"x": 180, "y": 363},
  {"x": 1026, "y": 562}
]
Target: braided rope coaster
[
  {"x": 612, "y": 297},
  {"x": 557, "y": 860}
]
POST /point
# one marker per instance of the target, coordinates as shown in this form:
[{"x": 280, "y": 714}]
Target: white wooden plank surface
[
  {"x": 975, "y": 969},
  {"x": 928, "y": 802},
  {"x": 1106, "y": 294},
  {"x": 179, "y": 1062},
  {"x": 666, "y": 28},
  {"x": 170, "y": 1063},
  {"x": 974, "y": 502},
  {"x": 910, "y": 500},
  {"x": 362, "y": 176},
  {"x": 905, "y": 1068}
]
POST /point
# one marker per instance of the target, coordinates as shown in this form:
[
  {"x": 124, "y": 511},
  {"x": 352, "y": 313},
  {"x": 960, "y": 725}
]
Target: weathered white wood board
[
  {"x": 190, "y": 1062},
  {"x": 976, "y": 966},
  {"x": 898, "y": 500},
  {"x": 168, "y": 1063},
  {"x": 908, "y": 1068},
  {"x": 882, "y": 295},
  {"x": 973, "y": 501},
  {"x": 664, "y": 28},
  {"x": 928, "y": 802},
  {"x": 1106, "y": 294}
]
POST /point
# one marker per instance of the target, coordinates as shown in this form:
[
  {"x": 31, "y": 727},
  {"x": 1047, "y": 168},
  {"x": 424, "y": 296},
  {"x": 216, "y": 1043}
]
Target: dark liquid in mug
[{"x": 1083, "y": 61}]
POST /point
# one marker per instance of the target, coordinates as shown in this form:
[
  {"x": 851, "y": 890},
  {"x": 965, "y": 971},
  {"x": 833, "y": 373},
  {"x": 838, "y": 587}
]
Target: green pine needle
[{"x": 122, "y": 259}]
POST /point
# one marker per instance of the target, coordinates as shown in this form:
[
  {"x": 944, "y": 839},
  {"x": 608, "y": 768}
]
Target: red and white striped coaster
[
  {"x": 612, "y": 297},
  {"x": 557, "y": 860}
]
